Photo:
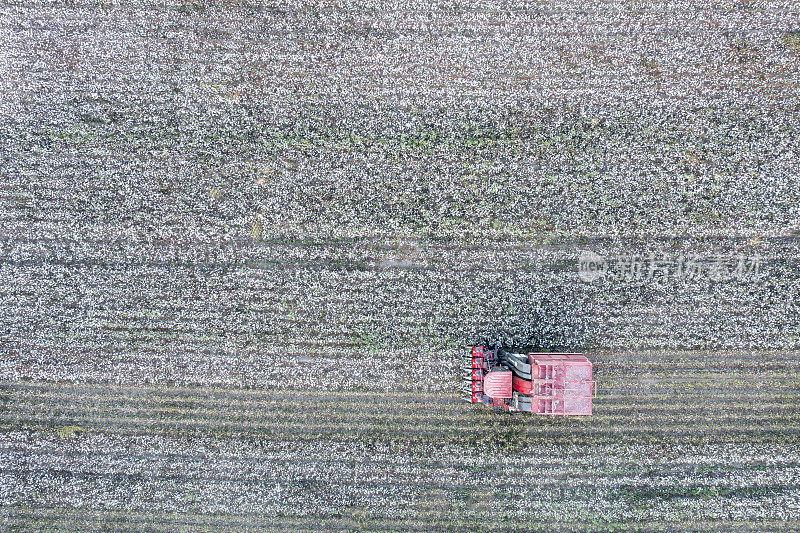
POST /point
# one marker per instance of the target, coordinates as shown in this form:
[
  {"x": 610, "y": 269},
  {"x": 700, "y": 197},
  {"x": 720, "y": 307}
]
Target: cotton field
[{"x": 244, "y": 247}]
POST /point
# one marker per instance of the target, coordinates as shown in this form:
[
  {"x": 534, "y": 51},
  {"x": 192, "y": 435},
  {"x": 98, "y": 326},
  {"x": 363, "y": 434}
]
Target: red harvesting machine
[{"x": 541, "y": 383}]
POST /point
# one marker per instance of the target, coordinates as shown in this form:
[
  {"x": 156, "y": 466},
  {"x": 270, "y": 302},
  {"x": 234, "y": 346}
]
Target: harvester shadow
[{"x": 550, "y": 320}]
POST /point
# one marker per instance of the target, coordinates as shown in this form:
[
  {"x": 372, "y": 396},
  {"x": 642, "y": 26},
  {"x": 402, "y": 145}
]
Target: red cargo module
[{"x": 541, "y": 383}]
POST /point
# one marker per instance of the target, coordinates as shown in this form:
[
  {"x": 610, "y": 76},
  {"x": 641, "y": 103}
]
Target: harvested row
[
  {"x": 66, "y": 519},
  {"x": 301, "y": 402},
  {"x": 343, "y": 416}
]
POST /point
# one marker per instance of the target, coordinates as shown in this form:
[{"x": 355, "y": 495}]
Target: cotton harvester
[{"x": 541, "y": 383}]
